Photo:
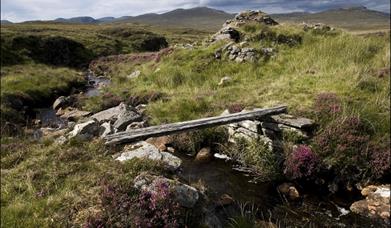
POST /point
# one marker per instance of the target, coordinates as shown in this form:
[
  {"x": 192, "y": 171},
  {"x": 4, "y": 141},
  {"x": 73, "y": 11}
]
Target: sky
[{"x": 22, "y": 10}]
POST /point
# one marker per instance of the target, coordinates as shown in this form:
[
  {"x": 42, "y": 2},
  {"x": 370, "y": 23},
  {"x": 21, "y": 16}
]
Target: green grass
[
  {"x": 45, "y": 185},
  {"x": 34, "y": 85},
  {"x": 343, "y": 64}
]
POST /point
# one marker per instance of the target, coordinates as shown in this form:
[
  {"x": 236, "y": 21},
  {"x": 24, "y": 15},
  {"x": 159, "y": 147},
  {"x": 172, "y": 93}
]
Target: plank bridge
[{"x": 167, "y": 129}]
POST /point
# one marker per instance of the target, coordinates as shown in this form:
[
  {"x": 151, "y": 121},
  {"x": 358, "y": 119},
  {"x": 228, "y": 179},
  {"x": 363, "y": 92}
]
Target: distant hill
[
  {"x": 6, "y": 22},
  {"x": 353, "y": 18},
  {"x": 78, "y": 20},
  {"x": 200, "y": 17}
]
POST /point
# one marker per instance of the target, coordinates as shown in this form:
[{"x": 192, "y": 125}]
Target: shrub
[
  {"x": 125, "y": 206},
  {"x": 344, "y": 146},
  {"x": 157, "y": 208},
  {"x": 302, "y": 162},
  {"x": 380, "y": 158},
  {"x": 327, "y": 105}
]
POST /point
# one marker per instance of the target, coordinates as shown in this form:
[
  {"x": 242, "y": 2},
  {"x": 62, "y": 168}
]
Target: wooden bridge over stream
[{"x": 167, "y": 129}]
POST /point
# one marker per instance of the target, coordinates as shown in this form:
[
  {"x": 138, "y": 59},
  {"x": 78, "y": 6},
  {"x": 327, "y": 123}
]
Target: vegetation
[{"x": 329, "y": 76}]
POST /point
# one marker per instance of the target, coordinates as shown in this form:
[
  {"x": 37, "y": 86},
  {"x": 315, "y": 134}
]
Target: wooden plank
[{"x": 155, "y": 131}]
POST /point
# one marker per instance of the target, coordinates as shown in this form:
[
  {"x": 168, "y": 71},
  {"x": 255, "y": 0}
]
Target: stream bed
[{"x": 313, "y": 209}]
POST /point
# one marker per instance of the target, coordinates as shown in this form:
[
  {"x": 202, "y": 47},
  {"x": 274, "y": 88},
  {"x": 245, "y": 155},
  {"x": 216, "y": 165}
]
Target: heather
[{"x": 302, "y": 162}]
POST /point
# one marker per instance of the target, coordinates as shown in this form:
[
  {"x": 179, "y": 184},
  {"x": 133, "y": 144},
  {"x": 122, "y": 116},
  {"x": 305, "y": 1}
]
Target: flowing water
[{"x": 314, "y": 209}]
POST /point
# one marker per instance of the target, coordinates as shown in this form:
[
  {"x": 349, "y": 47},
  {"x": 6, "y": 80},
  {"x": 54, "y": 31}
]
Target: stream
[{"x": 314, "y": 209}]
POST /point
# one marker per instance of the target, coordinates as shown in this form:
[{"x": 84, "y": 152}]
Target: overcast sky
[{"x": 22, "y": 10}]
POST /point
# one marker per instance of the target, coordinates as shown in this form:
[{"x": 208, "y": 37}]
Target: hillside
[{"x": 356, "y": 18}]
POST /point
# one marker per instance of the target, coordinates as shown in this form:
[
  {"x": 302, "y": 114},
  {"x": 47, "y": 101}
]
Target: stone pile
[
  {"x": 250, "y": 16},
  {"x": 272, "y": 130},
  {"x": 317, "y": 27}
]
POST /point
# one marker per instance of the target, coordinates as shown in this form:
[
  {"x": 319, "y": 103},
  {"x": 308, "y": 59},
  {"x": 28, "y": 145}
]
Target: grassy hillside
[
  {"x": 353, "y": 19},
  {"x": 340, "y": 80}
]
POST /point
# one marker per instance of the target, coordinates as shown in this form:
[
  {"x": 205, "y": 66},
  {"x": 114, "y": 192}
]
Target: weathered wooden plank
[{"x": 155, "y": 131}]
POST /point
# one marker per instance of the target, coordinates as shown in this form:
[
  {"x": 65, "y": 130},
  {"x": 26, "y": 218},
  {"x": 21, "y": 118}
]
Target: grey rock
[
  {"x": 293, "y": 121},
  {"x": 105, "y": 129},
  {"x": 85, "y": 130},
  {"x": 60, "y": 102},
  {"x": 110, "y": 114},
  {"x": 135, "y": 125},
  {"x": 74, "y": 114},
  {"x": 61, "y": 140},
  {"x": 148, "y": 151},
  {"x": 126, "y": 118}
]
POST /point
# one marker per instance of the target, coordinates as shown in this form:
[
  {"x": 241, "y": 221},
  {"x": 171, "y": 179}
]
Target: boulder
[
  {"x": 105, "y": 129},
  {"x": 60, "y": 102},
  {"x": 227, "y": 33},
  {"x": 185, "y": 195},
  {"x": 297, "y": 122},
  {"x": 85, "y": 130},
  {"x": 376, "y": 204},
  {"x": 251, "y": 16},
  {"x": 125, "y": 118},
  {"x": 288, "y": 189},
  {"x": 110, "y": 114},
  {"x": 74, "y": 114},
  {"x": 144, "y": 150},
  {"x": 204, "y": 155},
  {"x": 161, "y": 142}
]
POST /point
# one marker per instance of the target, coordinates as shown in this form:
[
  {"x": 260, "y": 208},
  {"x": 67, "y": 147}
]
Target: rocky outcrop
[
  {"x": 148, "y": 151},
  {"x": 271, "y": 130},
  {"x": 227, "y": 33},
  {"x": 250, "y": 16},
  {"x": 376, "y": 204},
  {"x": 185, "y": 195},
  {"x": 85, "y": 130}
]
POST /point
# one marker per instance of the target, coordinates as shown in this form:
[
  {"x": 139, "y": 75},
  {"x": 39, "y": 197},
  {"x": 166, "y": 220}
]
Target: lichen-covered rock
[
  {"x": 105, "y": 129},
  {"x": 125, "y": 118},
  {"x": 144, "y": 150},
  {"x": 185, "y": 195},
  {"x": 297, "y": 122},
  {"x": 376, "y": 204},
  {"x": 61, "y": 102},
  {"x": 85, "y": 130},
  {"x": 110, "y": 114}
]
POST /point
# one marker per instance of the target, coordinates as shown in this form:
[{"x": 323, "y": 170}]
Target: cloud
[{"x": 21, "y": 10}]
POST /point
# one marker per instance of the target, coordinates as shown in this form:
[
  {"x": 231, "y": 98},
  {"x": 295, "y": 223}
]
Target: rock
[
  {"x": 135, "y": 125},
  {"x": 171, "y": 149},
  {"x": 135, "y": 74},
  {"x": 85, "y": 130},
  {"x": 125, "y": 118},
  {"x": 224, "y": 81},
  {"x": 61, "y": 140},
  {"x": 185, "y": 195},
  {"x": 227, "y": 33},
  {"x": 51, "y": 132},
  {"x": 110, "y": 114},
  {"x": 146, "y": 150},
  {"x": 204, "y": 155},
  {"x": 376, "y": 204},
  {"x": 173, "y": 162},
  {"x": 74, "y": 114},
  {"x": 268, "y": 51},
  {"x": 60, "y": 102},
  {"x": 317, "y": 27},
  {"x": 251, "y": 16},
  {"x": 71, "y": 124},
  {"x": 301, "y": 123},
  {"x": 211, "y": 221},
  {"x": 288, "y": 189},
  {"x": 160, "y": 142},
  {"x": 105, "y": 130},
  {"x": 141, "y": 108}
]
